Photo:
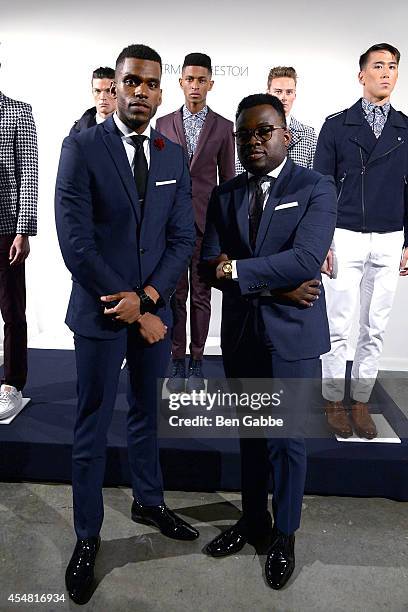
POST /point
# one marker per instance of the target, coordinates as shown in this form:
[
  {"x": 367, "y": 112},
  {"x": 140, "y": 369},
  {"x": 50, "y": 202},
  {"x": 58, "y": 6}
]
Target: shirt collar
[
  {"x": 368, "y": 107},
  {"x": 126, "y": 131},
  {"x": 274, "y": 173},
  {"x": 99, "y": 118},
  {"x": 201, "y": 114}
]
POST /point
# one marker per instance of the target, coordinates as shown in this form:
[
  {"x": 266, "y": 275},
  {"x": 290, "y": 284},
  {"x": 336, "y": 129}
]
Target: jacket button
[{"x": 142, "y": 251}]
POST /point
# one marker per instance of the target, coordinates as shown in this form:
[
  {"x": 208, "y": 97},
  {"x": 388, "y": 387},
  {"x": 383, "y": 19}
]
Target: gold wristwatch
[{"x": 227, "y": 269}]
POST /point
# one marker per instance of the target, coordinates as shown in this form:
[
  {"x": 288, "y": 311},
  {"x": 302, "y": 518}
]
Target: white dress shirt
[
  {"x": 127, "y": 142},
  {"x": 99, "y": 119}
]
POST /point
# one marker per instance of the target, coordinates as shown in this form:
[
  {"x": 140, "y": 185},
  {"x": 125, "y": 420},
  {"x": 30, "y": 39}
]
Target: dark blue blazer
[
  {"x": 371, "y": 174},
  {"x": 108, "y": 243},
  {"x": 294, "y": 236},
  {"x": 87, "y": 120}
]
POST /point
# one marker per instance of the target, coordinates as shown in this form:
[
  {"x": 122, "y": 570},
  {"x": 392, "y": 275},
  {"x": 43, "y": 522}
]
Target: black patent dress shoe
[
  {"x": 280, "y": 560},
  {"x": 165, "y": 520},
  {"x": 234, "y": 539},
  {"x": 228, "y": 542},
  {"x": 79, "y": 575}
]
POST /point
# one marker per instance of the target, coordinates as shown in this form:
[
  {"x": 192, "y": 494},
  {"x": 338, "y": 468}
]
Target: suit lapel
[
  {"x": 179, "y": 128},
  {"x": 208, "y": 126},
  {"x": 241, "y": 204},
  {"x": 152, "y": 196},
  {"x": 363, "y": 135},
  {"x": 364, "y": 138},
  {"x": 117, "y": 152},
  {"x": 273, "y": 199},
  {"x": 156, "y": 157}
]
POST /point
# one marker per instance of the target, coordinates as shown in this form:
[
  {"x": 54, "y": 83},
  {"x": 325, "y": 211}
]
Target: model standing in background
[
  {"x": 365, "y": 149},
  {"x": 208, "y": 141},
  {"x": 18, "y": 221}
]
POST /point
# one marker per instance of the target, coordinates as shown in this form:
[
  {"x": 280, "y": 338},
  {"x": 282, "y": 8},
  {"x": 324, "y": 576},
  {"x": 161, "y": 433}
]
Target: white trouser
[{"x": 368, "y": 271}]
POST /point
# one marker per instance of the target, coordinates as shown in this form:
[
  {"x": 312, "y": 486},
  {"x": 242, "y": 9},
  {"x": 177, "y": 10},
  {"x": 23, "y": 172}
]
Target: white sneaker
[{"x": 11, "y": 401}]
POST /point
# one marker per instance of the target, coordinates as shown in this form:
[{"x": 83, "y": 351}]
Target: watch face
[{"x": 227, "y": 267}]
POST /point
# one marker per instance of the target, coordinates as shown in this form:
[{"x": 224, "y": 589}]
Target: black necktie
[
  {"x": 256, "y": 206},
  {"x": 140, "y": 169}
]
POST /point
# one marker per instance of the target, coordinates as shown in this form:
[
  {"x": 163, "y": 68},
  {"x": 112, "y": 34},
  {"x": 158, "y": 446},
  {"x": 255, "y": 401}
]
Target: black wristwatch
[{"x": 146, "y": 302}]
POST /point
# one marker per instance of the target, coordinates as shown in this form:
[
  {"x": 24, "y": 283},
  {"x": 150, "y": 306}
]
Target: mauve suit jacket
[{"x": 215, "y": 151}]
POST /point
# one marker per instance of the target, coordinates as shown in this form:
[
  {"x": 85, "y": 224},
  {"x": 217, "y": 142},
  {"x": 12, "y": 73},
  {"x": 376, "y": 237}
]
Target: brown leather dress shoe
[
  {"x": 337, "y": 419},
  {"x": 363, "y": 424}
]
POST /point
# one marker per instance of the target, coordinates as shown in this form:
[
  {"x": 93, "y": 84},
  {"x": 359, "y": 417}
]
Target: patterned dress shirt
[
  {"x": 193, "y": 124},
  {"x": 376, "y": 115}
]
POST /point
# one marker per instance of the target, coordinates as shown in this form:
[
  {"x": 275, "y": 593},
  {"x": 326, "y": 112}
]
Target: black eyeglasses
[{"x": 262, "y": 133}]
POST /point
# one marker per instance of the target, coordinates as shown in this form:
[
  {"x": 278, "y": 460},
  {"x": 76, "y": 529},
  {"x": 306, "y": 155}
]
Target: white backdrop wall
[{"x": 48, "y": 51}]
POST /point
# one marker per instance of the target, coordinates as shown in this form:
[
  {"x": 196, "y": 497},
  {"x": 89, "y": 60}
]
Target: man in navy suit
[
  {"x": 126, "y": 231},
  {"x": 267, "y": 229}
]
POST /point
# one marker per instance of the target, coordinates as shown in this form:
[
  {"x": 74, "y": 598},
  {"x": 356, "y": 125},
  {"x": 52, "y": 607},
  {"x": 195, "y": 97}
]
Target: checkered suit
[
  {"x": 302, "y": 146},
  {"x": 18, "y": 168}
]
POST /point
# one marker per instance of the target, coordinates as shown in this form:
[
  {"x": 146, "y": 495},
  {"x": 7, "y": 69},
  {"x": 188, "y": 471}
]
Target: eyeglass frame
[{"x": 254, "y": 133}]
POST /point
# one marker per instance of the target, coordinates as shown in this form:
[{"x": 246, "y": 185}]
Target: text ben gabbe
[{"x": 220, "y": 400}]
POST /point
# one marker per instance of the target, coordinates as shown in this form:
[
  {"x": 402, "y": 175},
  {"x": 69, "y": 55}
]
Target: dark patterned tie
[
  {"x": 379, "y": 121},
  {"x": 256, "y": 205},
  {"x": 140, "y": 169}
]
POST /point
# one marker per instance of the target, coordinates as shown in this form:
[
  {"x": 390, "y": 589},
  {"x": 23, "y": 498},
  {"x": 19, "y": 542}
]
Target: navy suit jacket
[
  {"x": 294, "y": 236},
  {"x": 108, "y": 243},
  {"x": 87, "y": 120}
]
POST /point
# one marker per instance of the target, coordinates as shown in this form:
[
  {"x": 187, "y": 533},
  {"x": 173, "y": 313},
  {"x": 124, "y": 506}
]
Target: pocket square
[
  {"x": 287, "y": 205},
  {"x": 158, "y": 183}
]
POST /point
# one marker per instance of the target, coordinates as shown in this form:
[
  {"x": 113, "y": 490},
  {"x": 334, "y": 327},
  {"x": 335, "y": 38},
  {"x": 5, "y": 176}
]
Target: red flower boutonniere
[{"x": 159, "y": 143}]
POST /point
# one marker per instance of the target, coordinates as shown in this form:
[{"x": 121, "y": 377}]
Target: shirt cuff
[{"x": 234, "y": 269}]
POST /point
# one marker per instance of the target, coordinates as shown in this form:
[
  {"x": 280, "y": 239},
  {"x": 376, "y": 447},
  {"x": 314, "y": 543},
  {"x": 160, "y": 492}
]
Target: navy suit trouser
[
  {"x": 282, "y": 458},
  {"x": 98, "y": 367}
]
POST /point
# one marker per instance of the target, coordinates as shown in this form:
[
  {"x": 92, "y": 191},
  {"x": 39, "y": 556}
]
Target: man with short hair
[
  {"x": 282, "y": 82},
  {"x": 208, "y": 141},
  {"x": 18, "y": 221},
  {"x": 105, "y": 101},
  {"x": 267, "y": 230},
  {"x": 126, "y": 232},
  {"x": 365, "y": 149}
]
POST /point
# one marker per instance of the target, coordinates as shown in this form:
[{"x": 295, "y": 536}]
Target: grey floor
[{"x": 352, "y": 555}]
